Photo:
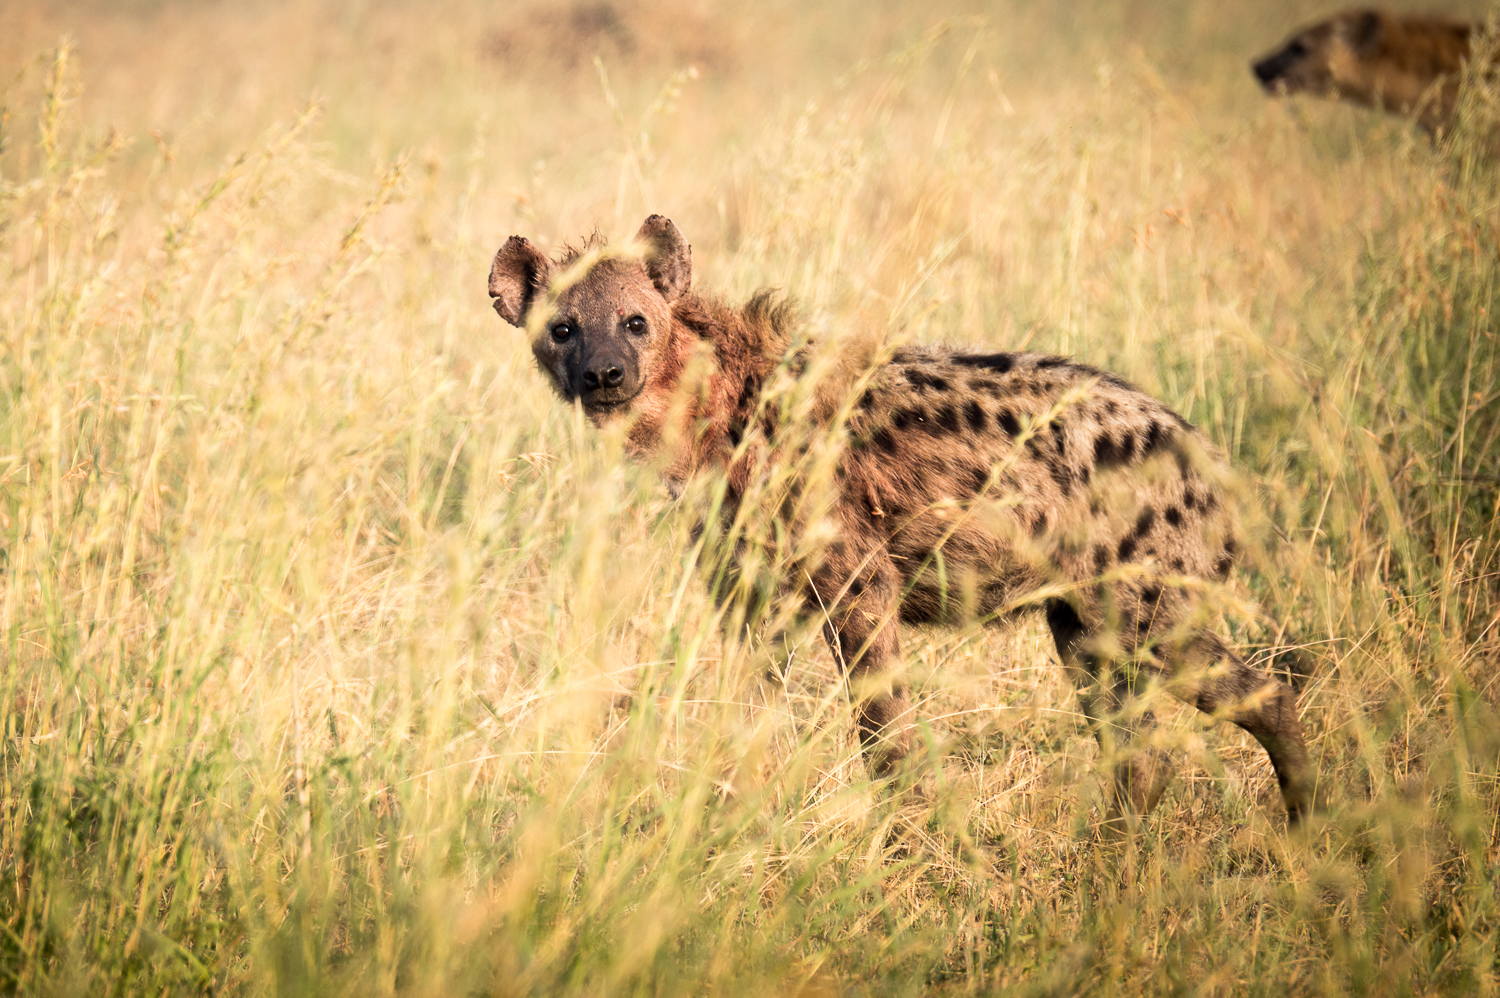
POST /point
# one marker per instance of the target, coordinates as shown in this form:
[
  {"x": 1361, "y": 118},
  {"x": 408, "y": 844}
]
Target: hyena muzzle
[{"x": 967, "y": 481}]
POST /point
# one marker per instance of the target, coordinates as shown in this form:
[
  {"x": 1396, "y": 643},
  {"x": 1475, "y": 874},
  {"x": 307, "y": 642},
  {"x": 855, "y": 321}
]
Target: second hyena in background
[
  {"x": 1406, "y": 65},
  {"x": 969, "y": 485}
]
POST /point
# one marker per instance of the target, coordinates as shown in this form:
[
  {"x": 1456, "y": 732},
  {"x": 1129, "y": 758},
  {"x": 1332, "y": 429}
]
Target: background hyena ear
[
  {"x": 1366, "y": 31},
  {"x": 519, "y": 274},
  {"x": 668, "y": 257}
]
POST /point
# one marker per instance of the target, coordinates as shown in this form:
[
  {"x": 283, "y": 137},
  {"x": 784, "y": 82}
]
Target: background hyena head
[
  {"x": 1325, "y": 58},
  {"x": 603, "y": 324}
]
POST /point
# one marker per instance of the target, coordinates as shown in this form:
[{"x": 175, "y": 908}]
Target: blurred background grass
[{"x": 341, "y": 659}]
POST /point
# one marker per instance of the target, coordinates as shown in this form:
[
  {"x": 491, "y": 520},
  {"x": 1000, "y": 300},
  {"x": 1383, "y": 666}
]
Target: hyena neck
[{"x": 745, "y": 344}]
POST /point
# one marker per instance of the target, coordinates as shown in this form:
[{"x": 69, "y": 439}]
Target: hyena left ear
[
  {"x": 1366, "y": 31},
  {"x": 667, "y": 255},
  {"x": 520, "y": 274}
]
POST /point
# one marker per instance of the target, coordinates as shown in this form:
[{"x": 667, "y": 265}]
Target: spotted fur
[{"x": 969, "y": 482}]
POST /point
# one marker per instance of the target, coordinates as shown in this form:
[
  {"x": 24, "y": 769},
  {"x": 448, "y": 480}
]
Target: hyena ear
[
  {"x": 1366, "y": 31},
  {"x": 520, "y": 274},
  {"x": 667, "y": 255}
]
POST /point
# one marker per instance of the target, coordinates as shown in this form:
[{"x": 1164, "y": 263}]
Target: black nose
[
  {"x": 1265, "y": 71},
  {"x": 603, "y": 376}
]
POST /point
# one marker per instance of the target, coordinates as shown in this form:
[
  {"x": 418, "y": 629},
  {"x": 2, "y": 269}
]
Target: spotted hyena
[
  {"x": 969, "y": 485},
  {"x": 1407, "y": 65}
]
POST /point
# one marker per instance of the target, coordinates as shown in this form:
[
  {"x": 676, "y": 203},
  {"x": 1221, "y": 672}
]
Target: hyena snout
[
  {"x": 604, "y": 374},
  {"x": 608, "y": 377},
  {"x": 1276, "y": 71},
  {"x": 1266, "y": 71}
]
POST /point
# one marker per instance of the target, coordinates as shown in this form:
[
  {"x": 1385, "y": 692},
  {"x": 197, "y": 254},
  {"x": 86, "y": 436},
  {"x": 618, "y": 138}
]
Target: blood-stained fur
[
  {"x": 1406, "y": 65},
  {"x": 971, "y": 485}
]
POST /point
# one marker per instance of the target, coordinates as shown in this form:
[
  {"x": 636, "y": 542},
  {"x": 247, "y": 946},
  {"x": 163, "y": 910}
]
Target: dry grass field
[{"x": 339, "y": 658}]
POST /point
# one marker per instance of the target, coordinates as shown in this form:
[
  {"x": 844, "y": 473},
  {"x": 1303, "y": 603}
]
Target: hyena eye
[
  {"x": 562, "y": 331},
  {"x": 1296, "y": 49},
  {"x": 635, "y": 324}
]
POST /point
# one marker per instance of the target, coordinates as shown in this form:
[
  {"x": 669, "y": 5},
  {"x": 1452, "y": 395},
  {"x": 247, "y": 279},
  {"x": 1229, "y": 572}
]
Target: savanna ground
[{"x": 341, "y": 659}]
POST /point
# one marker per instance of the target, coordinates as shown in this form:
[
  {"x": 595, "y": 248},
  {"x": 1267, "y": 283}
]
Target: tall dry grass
[{"x": 341, "y": 659}]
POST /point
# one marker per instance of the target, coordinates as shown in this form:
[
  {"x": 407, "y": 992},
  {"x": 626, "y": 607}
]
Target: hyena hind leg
[
  {"x": 1220, "y": 683},
  {"x": 1141, "y": 771}
]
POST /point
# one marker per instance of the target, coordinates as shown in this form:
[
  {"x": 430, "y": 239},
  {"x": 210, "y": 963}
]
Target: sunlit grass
[{"x": 341, "y": 658}]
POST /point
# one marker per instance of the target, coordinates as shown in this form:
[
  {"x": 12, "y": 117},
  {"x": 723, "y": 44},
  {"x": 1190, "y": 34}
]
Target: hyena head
[
  {"x": 1325, "y": 58},
  {"x": 603, "y": 325}
]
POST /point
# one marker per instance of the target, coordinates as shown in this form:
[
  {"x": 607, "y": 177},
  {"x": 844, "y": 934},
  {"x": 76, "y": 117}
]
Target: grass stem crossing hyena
[{"x": 964, "y": 482}]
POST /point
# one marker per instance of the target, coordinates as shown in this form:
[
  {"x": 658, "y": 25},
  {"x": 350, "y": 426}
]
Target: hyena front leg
[
  {"x": 1141, "y": 773},
  {"x": 857, "y": 599}
]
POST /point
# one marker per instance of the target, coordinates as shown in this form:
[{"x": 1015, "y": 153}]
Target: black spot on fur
[
  {"x": 1063, "y": 621},
  {"x": 1110, "y": 453},
  {"x": 947, "y": 418},
  {"x": 1052, "y": 362},
  {"x": 1208, "y": 500},
  {"x": 1127, "y": 548},
  {"x": 1111, "y": 407},
  {"x": 1151, "y": 595},
  {"x": 1222, "y": 567},
  {"x": 1174, "y": 516},
  {"x": 1062, "y": 476},
  {"x": 905, "y": 418},
  {"x": 1101, "y": 558},
  {"x": 1189, "y": 501},
  {"x": 856, "y": 587},
  {"x": 885, "y": 441},
  {"x": 1039, "y": 525},
  {"x": 866, "y": 401},
  {"x": 921, "y": 380},
  {"x": 1156, "y": 436},
  {"x": 1178, "y": 565},
  {"x": 974, "y": 413},
  {"x": 1144, "y": 521},
  {"x": 1000, "y": 363},
  {"x": 985, "y": 385},
  {"x": 979, "y": 480},
  {"x": 1008, "y": 422}
]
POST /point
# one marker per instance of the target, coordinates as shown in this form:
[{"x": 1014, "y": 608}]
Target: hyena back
[
  {"x": 1406, "y": 65},
  {"x": 967, "y": 482}
]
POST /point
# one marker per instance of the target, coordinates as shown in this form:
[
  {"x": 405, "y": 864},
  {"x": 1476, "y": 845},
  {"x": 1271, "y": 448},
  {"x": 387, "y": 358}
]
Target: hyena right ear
[
  {"x": 520, "y": 273},
  {"x": 668, "y": 257}
]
